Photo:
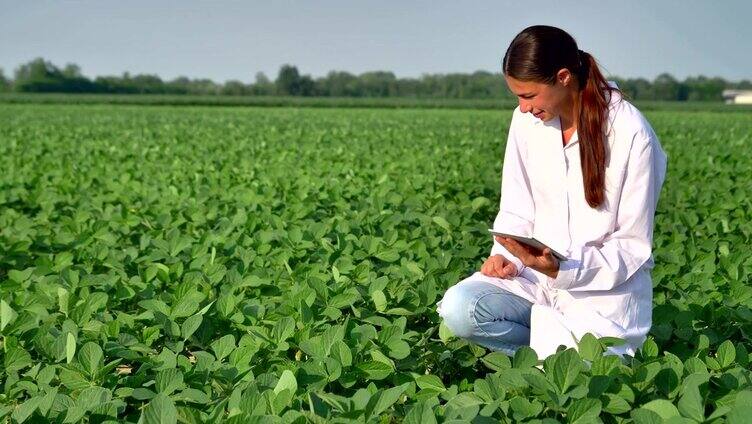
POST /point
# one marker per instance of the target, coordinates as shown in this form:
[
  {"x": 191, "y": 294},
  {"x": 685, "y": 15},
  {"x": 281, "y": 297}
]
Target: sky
[{"x": 224, "y": 40}]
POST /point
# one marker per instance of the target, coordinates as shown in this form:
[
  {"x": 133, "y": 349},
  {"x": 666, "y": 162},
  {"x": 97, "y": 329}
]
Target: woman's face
[{"x": 544, "y": 101}]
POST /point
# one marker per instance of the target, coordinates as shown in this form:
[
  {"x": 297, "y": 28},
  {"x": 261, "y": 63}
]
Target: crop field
[{"x": 214, "y": 264}]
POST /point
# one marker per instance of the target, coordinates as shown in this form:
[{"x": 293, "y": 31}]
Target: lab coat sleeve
[
  {"x": 629, "y": 247},
  {"x": 516, "y": 207}
]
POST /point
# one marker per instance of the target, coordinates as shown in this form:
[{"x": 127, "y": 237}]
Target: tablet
[{"x": 530, "y": 241}]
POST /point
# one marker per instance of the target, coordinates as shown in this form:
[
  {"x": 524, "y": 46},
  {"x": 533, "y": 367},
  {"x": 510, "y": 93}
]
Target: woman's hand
[
  {"x": 498, "y": 266},
  {"x": 541, "y": 261}
]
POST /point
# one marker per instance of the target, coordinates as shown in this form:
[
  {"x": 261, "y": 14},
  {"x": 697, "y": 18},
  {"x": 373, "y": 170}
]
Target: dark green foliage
[{"x": 39, "y": 75}]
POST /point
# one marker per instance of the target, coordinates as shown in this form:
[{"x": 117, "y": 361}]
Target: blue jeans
[{"x": 487, "y": 315}]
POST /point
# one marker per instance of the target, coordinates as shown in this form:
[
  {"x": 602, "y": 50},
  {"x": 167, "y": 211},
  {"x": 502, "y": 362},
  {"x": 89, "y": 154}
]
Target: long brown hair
[{"x": 537, "y": 54}]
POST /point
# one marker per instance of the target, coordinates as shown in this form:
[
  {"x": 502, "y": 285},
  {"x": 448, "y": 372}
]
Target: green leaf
[
  {"x": 726, "y": 353},
  {"x": 445, "y": 334},
  {"x": 92, "y": 397},
  {"x": 7, "y": 314},
  {"x": 190, "y": 325},
  {"x": 524, "y": 408},
  {"x": 443, "y": 223},
  {"x": 662, "y": 407},
  {"x": 161, "y": 410},
  {"x": 47, "y": 401},
  {"x": 16, "y": 358},
  {"x": 193, "y": 395},
  {"x": 341, "y": 352},
  {"x": 73, "y": 380},
  {"x": 226, "y": 304},
  {"x": 589, "y": 347},
  {"x": 667, "y": 382},
  {"x": 479, "y": 202},
  {"x": 649, "y": 348},
  {"x": 567, "y": 366},
  {"x": 538, "y": 382},
  {"x": 740, "y": 414},
  {"x": 142, "y": 393},
  {"x": 314, "y": 347},
  {"x": 646, "y": 416},
  {"x": 286, "y": 381},
  {"x": 186, "y": 305},
  {"x": 376, "y": 370},
  {"x": 383, "y": 400},
  {"x": 583, "y": 411},
  {"x": 497, "y": 361},
  {"x": 20, "y": 276},
  {"x": 389, "y": 255},
  {"x": 430, "y": 382},
  {"x": 223, "y": 347},
  {"x": 616, "y": 404},
  {"x": 398, "y": 349},
  {"x": 420, "y": 413},
  {"x": 525, "y": 357},
  {"x": 70, "y": 347},
  {"x": 91, "y": 358},
  {"x": 691, "y": 404},
  {"x": 168, "y": 381},
  {"x": 464, "y": 400},
  {"x": 283, "y": 329},
  {"x": 414, "y": 268},
  {"x": 24, "y": 411},
  {"x": 379, "y": 300}
]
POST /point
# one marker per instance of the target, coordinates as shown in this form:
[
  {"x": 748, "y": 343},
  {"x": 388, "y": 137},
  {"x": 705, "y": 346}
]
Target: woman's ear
[{"x": 564, "y": 77}]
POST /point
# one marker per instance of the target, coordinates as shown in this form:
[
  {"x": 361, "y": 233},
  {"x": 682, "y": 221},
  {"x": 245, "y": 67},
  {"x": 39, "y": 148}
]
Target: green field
[{"x": 242, "y": 264}]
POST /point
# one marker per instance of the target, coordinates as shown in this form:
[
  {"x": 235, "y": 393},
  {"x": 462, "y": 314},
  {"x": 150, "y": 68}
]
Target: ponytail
[{"x": 591, "y": 128}]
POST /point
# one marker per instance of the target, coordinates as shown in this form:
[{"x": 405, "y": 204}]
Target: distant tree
[
  {"x": 113, "y": 84},
  {"x": 288, "y": 80},
  {"x": 234, "y": 88},
  {"x": 148, "y": 84},
  {"x": 204, "y": 86},
  {"x": 262, "y": 86},
  {"x": 743, "y": 85},
  {"x": 377, "y": 84},
  {"x": 337, "y": 84},
  {"x": 483, "y": 84},
  {"x": 72, "y": 70},
  {"x": 408, "y": 87},
  {"x": 306, "y": 86},
  {"x": 703, "y": 88},
  {"x": 666, "y": 87},
  {"x": 4, "y": 83},
  {"x": 40, "y": 75},
  {"x": 36, "y": 74},
  {"x": 637, "y": 89},
  {"x": 261, "y": 78},
  {"x": 181, "y": 85}
]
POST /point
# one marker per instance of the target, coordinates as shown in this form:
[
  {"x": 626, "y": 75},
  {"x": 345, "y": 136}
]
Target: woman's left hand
[{"x": 540, "y": 260}]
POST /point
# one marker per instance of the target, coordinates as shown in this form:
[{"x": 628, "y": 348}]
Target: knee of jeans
[{"x": 456, "y": 311}]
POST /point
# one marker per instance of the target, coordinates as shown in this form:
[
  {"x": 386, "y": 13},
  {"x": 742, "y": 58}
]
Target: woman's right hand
[{"x": 498, "y": 266}]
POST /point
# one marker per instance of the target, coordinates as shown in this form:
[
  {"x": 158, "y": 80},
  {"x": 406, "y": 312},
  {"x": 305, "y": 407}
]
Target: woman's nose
[{"x": 525, "y": 107}]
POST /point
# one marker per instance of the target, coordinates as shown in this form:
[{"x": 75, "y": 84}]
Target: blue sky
[{"x": 225, "y": 40}]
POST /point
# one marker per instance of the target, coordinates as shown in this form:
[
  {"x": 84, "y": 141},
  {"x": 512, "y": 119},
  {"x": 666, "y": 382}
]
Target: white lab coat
[{"x": 605, "y": 287}]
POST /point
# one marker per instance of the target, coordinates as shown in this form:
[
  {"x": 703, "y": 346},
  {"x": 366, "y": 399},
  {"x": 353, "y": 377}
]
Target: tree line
[{"x": 41, "y": 76}]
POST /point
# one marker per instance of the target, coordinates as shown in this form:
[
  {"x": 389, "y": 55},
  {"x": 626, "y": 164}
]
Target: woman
[{"x": 582, "y": 173}]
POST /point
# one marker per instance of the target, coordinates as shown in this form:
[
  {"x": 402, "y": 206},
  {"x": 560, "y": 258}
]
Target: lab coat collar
[{"x": 553, "y": 130}]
